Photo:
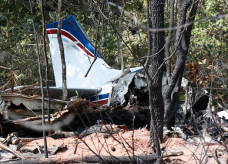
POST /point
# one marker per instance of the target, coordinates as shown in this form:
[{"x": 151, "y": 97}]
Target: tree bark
[
  {"x": 61, "y": 49},
  {"x": 182, "y": 41},
  {"x": 157, "y": 57}
]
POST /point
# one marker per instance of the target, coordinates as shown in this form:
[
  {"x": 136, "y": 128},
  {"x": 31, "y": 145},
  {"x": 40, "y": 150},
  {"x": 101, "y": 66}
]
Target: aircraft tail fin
[{"x": 79, "y": 55}]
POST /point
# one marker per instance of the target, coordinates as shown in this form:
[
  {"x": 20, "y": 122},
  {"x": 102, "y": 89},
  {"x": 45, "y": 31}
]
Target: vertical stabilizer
[{"x": 79, "y": 55}]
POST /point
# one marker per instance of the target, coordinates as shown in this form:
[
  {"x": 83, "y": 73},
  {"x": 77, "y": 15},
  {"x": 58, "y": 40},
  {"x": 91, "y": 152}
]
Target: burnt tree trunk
[
  {"x": 169, "y": 39},
  {"x": 171, "y": 97},
  {"x": 61, "y": 49},
  {"x": 155, "y": 69}
]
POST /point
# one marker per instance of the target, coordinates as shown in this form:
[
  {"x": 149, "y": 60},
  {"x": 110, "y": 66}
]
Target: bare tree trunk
[
  {"x": 61, "y": 48},
  {"x": 181, "y": 44},
  {"x": 157, "y": 57}
]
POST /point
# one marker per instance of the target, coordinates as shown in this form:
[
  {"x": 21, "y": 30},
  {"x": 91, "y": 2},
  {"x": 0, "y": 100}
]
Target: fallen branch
[
  {"x": 10, "y": 150},
  {"x": 127, "y": 159},
  {"x": 106, "y": 159}
]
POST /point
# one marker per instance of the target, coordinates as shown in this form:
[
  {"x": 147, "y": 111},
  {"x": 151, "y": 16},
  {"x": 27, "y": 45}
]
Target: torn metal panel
[
  {"x": 32, "y": 103},
  {"x": 140, "y": 82},
  {"x": 122, "y": 87},
  {"x": 132, "y": 82}
]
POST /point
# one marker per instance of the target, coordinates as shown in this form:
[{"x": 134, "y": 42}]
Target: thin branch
[
  {"x": 144, "y": 28},
  {"x": 95, "y": 48},
  {"x": 7, "y": 68},
  {"x": 148, "y": 34},
  {"x": 46, "y": 57},
  {"x": 41, "y": 79}
]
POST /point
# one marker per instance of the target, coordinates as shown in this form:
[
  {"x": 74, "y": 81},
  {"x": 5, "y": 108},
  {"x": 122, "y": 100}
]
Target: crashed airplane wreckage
[{"x": 95, "y": 81}]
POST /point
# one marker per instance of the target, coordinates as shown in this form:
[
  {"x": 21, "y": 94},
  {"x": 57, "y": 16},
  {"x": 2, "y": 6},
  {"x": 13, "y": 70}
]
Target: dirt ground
[{"x": 133, "y": 143}]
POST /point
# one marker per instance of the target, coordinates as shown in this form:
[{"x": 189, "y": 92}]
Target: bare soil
[{"x": 133, "y": 143}]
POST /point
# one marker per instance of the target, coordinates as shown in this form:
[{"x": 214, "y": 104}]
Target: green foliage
[
  {"x": 209, "y": 42},
  {"x": 17, "y": 40}
]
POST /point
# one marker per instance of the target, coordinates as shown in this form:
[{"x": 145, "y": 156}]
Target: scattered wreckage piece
[
  {"x": 18, "y": 108},
  {"x": 13, "y": 141},
  {"x": 5, "y": 147},
  {"x": 10, "y": 147},
  {"x": 37, "y": 149},
  {"x": 31, "y": 102}
]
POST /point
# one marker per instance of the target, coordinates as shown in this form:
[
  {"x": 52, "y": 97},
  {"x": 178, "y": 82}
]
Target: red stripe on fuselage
[
  {"x": 101, "y": 102},
  {"x": 68, "y": 35}
]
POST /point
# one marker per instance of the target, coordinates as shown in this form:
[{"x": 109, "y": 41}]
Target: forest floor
[{"x": 127, "y": 144}]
